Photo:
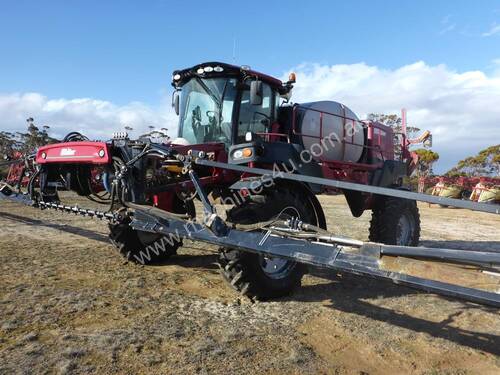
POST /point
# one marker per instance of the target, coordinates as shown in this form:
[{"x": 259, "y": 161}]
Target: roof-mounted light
[
  {"x": 245, "y": 67},
  {"x": 119, "y": 135},
  {"x": 218, "y": 69},
  {"x": 200, "y": 71},
  {"x": 177, "y": 77},
  {"x": 208, "y": 69}
]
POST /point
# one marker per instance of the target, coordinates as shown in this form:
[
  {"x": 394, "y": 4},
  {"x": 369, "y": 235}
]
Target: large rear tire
[
  {"x": 395, "y": 221},
  {"x": 256, "y": 276}
]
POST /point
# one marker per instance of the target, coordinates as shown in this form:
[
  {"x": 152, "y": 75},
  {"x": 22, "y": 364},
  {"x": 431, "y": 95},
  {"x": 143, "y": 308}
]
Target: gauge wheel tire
[
  {"x": 141, "y": 247},
  {"x": 5, "y": 190},
  {"x": 395, "y": 221},
  {"x": 144, "y": 247},
  {"x": 253, "y": 275}
]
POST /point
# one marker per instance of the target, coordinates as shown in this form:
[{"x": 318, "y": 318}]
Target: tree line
[
  {"x": 25, "y": 142},
  {"x": 485, "y": 163}
]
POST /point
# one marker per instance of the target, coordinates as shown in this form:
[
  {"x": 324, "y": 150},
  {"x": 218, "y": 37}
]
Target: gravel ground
[{"x": 69, "y": 304}]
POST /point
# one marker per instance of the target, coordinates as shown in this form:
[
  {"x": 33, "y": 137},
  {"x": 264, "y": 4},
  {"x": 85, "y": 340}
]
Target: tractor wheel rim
[
  {"x": 276, "y": 268},
  {"x": 405, "y": 229},
  {"x": 279, "y": 268}
]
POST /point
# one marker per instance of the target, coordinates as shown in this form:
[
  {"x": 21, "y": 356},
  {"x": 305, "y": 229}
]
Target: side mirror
[
  {"x": 256, "y": 92},
  {"x": 175, "y": 102}
]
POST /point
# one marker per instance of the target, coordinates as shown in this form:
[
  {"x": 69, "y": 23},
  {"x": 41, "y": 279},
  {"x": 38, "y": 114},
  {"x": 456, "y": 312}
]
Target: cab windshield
[{"x": 206, "y": 110}]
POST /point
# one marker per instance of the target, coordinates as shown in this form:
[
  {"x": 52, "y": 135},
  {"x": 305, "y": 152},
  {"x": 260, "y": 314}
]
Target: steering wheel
[
  {"x": 266, "y": 121},
  {"x": 213, "y": 114},
  {"x": 263, "y": 115}
]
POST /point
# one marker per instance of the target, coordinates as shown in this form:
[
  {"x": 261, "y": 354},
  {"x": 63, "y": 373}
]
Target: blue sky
[{"x": 124, "y": 51}]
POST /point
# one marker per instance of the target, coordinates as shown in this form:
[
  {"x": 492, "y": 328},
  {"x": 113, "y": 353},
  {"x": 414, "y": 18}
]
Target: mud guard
[
  {"x": 284, "y": 156},
  {"x": 257, "y": 183},
  {"x": 356, "y": 202}
]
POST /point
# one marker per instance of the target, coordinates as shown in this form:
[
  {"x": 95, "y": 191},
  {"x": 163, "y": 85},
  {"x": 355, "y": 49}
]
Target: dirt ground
[{"x": 70, "y": 304}]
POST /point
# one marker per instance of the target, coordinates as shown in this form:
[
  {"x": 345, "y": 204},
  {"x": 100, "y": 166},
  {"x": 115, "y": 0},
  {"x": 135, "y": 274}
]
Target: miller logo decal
[{"x": 67, "y": 152}]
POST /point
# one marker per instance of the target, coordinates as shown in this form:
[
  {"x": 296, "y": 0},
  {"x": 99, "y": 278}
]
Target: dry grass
[{"x": 69, "y": 304}]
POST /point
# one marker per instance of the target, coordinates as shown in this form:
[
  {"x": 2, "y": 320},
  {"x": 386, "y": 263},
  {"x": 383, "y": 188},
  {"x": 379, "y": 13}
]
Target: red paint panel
[{"x": 74, "y": 153}]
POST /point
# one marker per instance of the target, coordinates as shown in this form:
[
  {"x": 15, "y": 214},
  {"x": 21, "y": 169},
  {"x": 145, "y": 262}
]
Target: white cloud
[
  {"x": 95, "y": 118},
  {"x": 446, "y": 25},
  {"x": 495, "y": 64},
  {"x": 462, "y": 110},
  {"x": 494, "y": 30}
]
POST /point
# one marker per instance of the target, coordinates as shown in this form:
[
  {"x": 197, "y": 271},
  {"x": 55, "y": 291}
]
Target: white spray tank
[{"x": 330, "y": 131}]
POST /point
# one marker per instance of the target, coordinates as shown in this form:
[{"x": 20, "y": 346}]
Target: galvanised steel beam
[{"x": 475, "y": 206}]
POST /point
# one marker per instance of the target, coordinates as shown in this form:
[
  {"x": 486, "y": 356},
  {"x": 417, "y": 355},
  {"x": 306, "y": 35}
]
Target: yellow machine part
[
  {"x": 448, "y": 191},
  {"x": 489, "y": 195},
  {"x": 173, "y": 168}
]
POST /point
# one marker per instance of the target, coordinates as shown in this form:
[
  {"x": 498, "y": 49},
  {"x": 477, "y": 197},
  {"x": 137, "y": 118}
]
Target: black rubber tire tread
[
  {"x": 129, "y": 245},
  {"x": 242, "y": 269},
  {"x": 127, "y": 242},
  {"x": 385, "y": 218}
]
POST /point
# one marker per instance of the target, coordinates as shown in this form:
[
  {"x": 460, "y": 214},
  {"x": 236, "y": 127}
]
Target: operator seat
[{"x": 226, "y": 129}]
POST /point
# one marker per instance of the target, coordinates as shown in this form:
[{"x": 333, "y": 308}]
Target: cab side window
[{"x": 255, "y": 118}]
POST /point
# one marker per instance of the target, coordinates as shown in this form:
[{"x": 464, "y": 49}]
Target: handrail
[{"x": 275, "y": 134}]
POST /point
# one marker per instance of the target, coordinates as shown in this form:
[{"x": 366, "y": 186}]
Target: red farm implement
[{"x": 476, "y": 189}]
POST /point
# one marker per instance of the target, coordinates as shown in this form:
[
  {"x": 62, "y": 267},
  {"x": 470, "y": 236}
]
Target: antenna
[
  {"x": 403, "y": 120},
  {"x": 234, "y": 50}
]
